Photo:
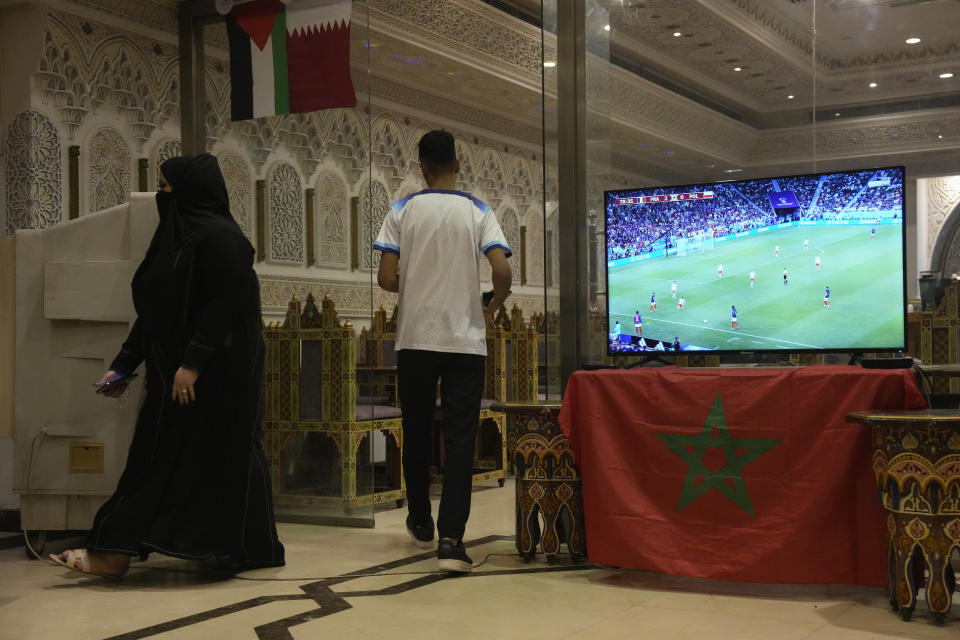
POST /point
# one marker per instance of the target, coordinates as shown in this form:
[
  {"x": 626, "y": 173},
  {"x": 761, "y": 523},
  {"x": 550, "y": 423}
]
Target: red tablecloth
[{"x": 734, "y": 474}]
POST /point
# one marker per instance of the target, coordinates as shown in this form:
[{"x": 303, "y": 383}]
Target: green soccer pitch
[{"x": 866, "y": 292}]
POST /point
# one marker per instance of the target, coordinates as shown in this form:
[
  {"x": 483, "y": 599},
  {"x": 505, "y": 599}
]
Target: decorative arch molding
[
  {"x": 32, "y": 172},
  {"x": 943, "y": 221},
  {"x": 946, "y": 253},
  {"x": 346, "y": 139},
  {"x": 388, "y": 148},
  {"x": 109, "y": 169},
  {"x": 333, "y": 220},
  {"x": 285, "y": 239},
  {"x": 86, "y": 64},
  {"x": 490, "y": 175}
]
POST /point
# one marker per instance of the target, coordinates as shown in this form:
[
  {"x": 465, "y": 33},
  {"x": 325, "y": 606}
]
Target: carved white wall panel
[
  {"x": 169, "y": 148},
  {"x": 374, "y": 204},
  {"x": 285, "y": 207},
  {"x": 534, "y": 247},
  {"x": 109, "y": 173},
  {"x": 510, "y": 225},
  {"x": 943, "y": 196},
  {"x": 32, "y": 172},
  {"x": 332, "y": 221},
  {"x": 239, "y": 181}
]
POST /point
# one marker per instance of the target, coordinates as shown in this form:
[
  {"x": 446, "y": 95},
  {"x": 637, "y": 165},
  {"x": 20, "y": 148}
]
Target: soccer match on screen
[{"x": 796, "y": 263}]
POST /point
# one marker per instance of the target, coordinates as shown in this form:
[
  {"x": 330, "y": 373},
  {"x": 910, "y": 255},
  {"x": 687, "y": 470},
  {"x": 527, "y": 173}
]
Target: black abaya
[{"x": 196, "y": 484}]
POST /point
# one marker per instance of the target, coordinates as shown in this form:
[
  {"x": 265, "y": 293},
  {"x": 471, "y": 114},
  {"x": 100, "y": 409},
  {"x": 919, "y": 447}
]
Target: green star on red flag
[{"x": 728, "y": 480}]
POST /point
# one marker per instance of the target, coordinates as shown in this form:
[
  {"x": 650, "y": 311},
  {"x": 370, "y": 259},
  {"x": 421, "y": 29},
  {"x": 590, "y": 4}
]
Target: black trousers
[{"x": 461, "y": 389}]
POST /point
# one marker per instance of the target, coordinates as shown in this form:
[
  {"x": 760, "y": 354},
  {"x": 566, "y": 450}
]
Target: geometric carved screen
[
  {"x": 108, "y": 170},
  {"x": 332, "y": 217},
  {"x": 169, "y": 148},
  {"x": 511, "y": 231},
  {"x": 32, "y": 172},
  {"x": 286, "y": 215},
  {"x": 534, "y": 248},
  {"x": 236, "y": 174},
  {"x": 374, "y": 203}
]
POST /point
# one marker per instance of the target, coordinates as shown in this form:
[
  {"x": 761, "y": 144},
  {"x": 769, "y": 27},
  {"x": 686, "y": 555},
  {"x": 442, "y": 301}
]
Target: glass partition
[
  {"x": 319, "y": 185},
  {"x": 694, "y": 93}
]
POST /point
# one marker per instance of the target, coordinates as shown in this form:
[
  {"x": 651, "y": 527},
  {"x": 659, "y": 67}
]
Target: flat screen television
[{"x": 799, "y": 263}]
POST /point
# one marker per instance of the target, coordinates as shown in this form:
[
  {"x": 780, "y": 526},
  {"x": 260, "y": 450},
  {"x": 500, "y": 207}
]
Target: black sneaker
[
  {"x": 453, "y": 557},
  {"x": 421, "y": 534}
]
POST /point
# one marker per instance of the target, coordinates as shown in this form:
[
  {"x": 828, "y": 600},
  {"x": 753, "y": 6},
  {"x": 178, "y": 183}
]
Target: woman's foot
[{"x": 97, "y": 563}]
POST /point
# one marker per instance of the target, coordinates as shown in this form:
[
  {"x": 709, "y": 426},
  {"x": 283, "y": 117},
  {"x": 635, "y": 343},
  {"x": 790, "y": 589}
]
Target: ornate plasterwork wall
[
  {"x": 32, "y": 172},
  {"x": 943, "y": 199},
  {"x": 114, "y": 93}
]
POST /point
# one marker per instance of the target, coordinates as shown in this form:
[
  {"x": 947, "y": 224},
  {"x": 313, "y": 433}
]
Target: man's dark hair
[{"x": 438, "y": 152}]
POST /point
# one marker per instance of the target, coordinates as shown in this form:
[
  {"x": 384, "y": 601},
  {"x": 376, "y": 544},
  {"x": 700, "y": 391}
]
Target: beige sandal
[{"x": 79, "y": 560}]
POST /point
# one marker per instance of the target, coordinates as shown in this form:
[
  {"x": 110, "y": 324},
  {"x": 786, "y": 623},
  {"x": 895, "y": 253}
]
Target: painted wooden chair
[{"x": 317, "y": 433}]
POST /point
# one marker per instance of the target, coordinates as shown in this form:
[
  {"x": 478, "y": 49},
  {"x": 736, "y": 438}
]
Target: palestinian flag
[{"x": 289, "y": 57}]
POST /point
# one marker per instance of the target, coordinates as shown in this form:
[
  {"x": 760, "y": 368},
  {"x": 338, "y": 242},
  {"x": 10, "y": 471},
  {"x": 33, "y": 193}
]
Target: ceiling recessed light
[
  {"x": 946, "y": 75},
  {"x": 677, "y": 34},
  {"x": 836, "y": 115},
  {"x": 873, "y": 85},
  {"x": 912, "y": 40},
  {"x": 738, "y": 68},
  {"x": 940, "y": 137},
  {"x": 606, "y": 27},
  {"x": 549, "y": 64},
  {"x": 790, "y": 97}
]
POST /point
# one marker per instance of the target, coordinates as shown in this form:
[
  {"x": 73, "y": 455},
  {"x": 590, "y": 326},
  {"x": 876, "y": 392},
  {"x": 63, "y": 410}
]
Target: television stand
[
  {"x": 776, "y": 359},
  {"x": 647, "y": 360}
]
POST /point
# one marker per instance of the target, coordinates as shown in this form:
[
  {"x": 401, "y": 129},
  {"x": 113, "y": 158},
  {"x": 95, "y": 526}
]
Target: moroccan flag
[
  {"x": 289, "y": 57},
  {"x": 745, "y": 475}
]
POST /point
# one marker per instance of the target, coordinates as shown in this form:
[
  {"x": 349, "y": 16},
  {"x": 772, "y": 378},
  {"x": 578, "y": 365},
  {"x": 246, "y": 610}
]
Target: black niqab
[{"x": 198, "y": 205}]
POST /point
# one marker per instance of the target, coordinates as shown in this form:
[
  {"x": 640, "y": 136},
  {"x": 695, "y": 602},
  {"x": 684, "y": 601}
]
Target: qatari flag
[
  {"x": 289, "y": 56},
  {"x": 783, "y": 199}
]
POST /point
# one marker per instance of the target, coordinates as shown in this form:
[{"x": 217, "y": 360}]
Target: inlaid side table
[
  {"x": 548, "y": 485},
  {"x": 916, "y": 463}
]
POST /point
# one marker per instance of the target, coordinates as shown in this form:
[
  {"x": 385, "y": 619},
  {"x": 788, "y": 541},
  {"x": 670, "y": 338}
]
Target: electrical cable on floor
[{"x": 33, "y": 446}]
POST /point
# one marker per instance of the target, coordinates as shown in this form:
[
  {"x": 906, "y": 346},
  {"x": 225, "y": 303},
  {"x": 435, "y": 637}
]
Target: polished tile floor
[{"x": 315, "y": 596}]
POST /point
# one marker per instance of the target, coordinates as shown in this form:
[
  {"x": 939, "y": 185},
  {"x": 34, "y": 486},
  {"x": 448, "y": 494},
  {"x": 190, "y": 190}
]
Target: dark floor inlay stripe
[{"x": 330, "y": 601}]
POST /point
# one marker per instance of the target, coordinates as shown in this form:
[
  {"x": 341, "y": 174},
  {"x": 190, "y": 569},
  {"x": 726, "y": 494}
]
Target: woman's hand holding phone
[{"x": 113, "y": 383}]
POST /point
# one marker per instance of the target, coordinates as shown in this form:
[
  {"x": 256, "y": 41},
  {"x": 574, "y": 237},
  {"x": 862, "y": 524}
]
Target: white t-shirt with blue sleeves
[{"x": 441, "y": 236}]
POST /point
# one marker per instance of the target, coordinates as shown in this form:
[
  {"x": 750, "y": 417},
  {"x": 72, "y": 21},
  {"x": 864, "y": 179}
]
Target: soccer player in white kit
[
  {"x": 673, "y": 289},
  {"x": 817, "y": 262},
  {"x": 720, "y": 270},
  {"x": 805, "y": 245},
  {"x": 753, "y": 276},
  {"x": 776, "y": 251},
  {"x": 682, "y": 301}
]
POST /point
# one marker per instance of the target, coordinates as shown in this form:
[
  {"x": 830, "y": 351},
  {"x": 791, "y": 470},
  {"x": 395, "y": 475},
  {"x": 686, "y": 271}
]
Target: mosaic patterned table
[
  {"x": 548, "y": 485},
  {"x": 916, "y": 462}
]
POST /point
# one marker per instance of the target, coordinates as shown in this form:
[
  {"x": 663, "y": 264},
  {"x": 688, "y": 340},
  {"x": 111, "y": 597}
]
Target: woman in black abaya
[{"x": 196, "y": 484}]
